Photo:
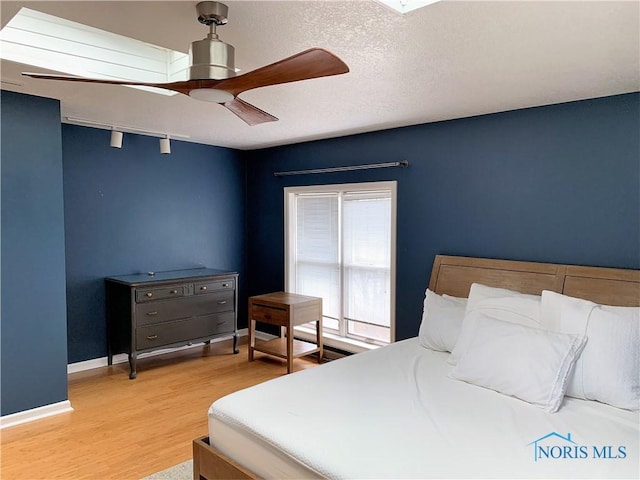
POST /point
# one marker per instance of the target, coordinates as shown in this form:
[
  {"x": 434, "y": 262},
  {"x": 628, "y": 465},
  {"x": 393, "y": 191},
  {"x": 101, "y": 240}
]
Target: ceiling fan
[{"x": 212, "y": 75}]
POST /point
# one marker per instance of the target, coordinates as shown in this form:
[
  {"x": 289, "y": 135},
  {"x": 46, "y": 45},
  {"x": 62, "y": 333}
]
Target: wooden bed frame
[{"x": 454, "y": 276}]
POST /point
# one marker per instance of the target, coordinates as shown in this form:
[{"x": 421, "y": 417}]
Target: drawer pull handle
[
  {"x": 222, "y": 302},
  {"x": 173, "y": 292},
  {"x": 152, "y": 337},
  {"x": 203, "y": 288},
  {"x": 148, "y": 294},
  {"x": 225, "y": 285},
  {"x": 152, "y": 314},
  {"x": 221, "y": 323}
]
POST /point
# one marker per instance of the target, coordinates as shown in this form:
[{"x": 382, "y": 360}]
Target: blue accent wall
[
  {"x": 134, "y": 210},
  {"x": 558, "y": 183},
  {"x": 33, "y": 326}
]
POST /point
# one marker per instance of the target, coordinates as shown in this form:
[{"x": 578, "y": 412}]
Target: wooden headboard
[{"x": 609, "y": 286}]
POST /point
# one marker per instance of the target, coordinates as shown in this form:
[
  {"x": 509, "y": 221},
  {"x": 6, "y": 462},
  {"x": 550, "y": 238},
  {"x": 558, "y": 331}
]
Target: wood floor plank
[{"x": 127, "y": 429}]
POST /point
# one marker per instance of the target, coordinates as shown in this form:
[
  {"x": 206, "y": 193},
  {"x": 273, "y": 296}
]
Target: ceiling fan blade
[
  {"x": 181, "y": 87},
  {"x": 248, "y": 113},
  {"x": 312, "y": 63}
]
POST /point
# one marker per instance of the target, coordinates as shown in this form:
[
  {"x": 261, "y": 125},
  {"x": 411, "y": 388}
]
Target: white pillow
[
  {"x": 499, "y": 303},
  {"x": 531, "y": 364},
  {"x": 609, "y": 368},
  {"x": 441, "y": 320}
]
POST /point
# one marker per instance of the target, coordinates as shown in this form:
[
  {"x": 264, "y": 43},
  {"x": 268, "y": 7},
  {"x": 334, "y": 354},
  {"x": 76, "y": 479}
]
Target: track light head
[
  {"x": 116, "y": 139},
  {"x": 165, "y": 145}
]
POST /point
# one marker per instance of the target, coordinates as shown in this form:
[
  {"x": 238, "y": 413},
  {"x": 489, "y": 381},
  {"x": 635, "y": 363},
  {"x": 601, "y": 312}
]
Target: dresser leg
[
  {"x": 235, "y": 343},
  {"x": 132, "y": 365}
]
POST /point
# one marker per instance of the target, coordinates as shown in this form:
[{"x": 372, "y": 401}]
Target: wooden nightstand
[{"x": 285, "y": 310}]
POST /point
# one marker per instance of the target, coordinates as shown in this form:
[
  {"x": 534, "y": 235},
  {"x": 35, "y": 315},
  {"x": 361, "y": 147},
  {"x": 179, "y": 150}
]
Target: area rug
[{"x": 181, "y": 471}]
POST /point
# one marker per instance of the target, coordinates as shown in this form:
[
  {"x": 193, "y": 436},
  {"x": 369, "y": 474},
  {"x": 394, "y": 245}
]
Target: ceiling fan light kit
[
  {"x": 211, "y": 95},
  {"x": 213, "y": 76}
]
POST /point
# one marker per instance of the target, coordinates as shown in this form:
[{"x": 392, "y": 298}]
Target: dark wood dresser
[{"x": 146, "y": 312}]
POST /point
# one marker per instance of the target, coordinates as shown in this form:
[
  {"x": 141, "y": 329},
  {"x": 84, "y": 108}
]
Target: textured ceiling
[{"x": 449, "y": 60}]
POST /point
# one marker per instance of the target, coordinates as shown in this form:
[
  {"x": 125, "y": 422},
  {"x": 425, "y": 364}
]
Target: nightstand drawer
[
  {"x": 149, "y": 294},
  {"x": 151, "y": 336},
  {"x": 208, "y": 287},
  {"x": 263, "y": 313},
  {"x": 168, "y": 310}
]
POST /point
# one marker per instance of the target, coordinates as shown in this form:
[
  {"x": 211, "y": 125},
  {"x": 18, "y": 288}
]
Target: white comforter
[{"x": 394, "y": 413}]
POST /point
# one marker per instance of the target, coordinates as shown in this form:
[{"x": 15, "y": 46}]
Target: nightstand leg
[
  {"x": 289, "y": 347},
  {"x": 252, "y": 338},
  {"x": 319, "y": 338}
]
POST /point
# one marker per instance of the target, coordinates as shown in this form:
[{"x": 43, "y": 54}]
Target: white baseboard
[
  {"x": 123, "y": 357},
  {"x": 35, "y": 414}
]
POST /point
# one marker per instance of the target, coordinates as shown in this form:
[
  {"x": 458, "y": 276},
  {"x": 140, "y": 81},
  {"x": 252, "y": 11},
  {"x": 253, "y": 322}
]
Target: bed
[{"x": 396, "y": 412}]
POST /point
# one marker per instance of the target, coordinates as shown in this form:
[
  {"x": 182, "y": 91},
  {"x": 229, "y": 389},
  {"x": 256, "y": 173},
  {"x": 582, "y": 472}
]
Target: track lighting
[
  {"x": 117, "y": 132},
  {"x": 116, "y": 139},
  {"x": 165, "y": 145}
]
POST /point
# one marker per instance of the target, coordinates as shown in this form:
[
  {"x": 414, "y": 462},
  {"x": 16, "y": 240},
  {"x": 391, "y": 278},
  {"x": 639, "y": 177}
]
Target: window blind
[
  {"x": 367, "y": 262},
  {"x": 317, "y": 262}
]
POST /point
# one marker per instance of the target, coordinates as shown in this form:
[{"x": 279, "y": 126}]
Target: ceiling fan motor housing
[{"x": 211, "y": 59}]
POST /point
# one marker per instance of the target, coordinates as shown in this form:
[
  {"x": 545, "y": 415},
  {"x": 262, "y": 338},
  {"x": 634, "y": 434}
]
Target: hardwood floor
[{"x": 127, "y": 429}]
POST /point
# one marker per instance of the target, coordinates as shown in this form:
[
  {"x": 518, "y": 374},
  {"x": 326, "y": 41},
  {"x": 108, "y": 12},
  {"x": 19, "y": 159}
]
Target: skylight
[
  {"x": 405, "y": 6},
  {"x": 53, "y": 43}
]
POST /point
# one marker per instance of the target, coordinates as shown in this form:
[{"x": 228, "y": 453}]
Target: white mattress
[{"x": 394, "y": 413}]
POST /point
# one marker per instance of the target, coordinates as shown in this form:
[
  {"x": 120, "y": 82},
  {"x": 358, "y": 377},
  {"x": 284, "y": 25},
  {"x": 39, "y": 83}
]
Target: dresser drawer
[
  {"x": 263, "y": 313},
  {"x": 151, "y": 336},
  {"x": 159, "y": 293},
  {"x": 202, "y": 288},
  {"x": 169, "y": 310}
]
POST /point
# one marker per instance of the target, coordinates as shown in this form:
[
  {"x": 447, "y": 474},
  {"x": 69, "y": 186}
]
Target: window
[{"x": 340, "y": 245}]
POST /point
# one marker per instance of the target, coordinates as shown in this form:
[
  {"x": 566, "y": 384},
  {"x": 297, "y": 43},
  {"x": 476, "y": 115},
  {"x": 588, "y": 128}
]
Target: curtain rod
[{"x": 403, "y": 164}]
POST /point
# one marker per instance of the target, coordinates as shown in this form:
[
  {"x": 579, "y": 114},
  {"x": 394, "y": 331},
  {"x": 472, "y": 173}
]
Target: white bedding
[{"x": 395, "y": 413}]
